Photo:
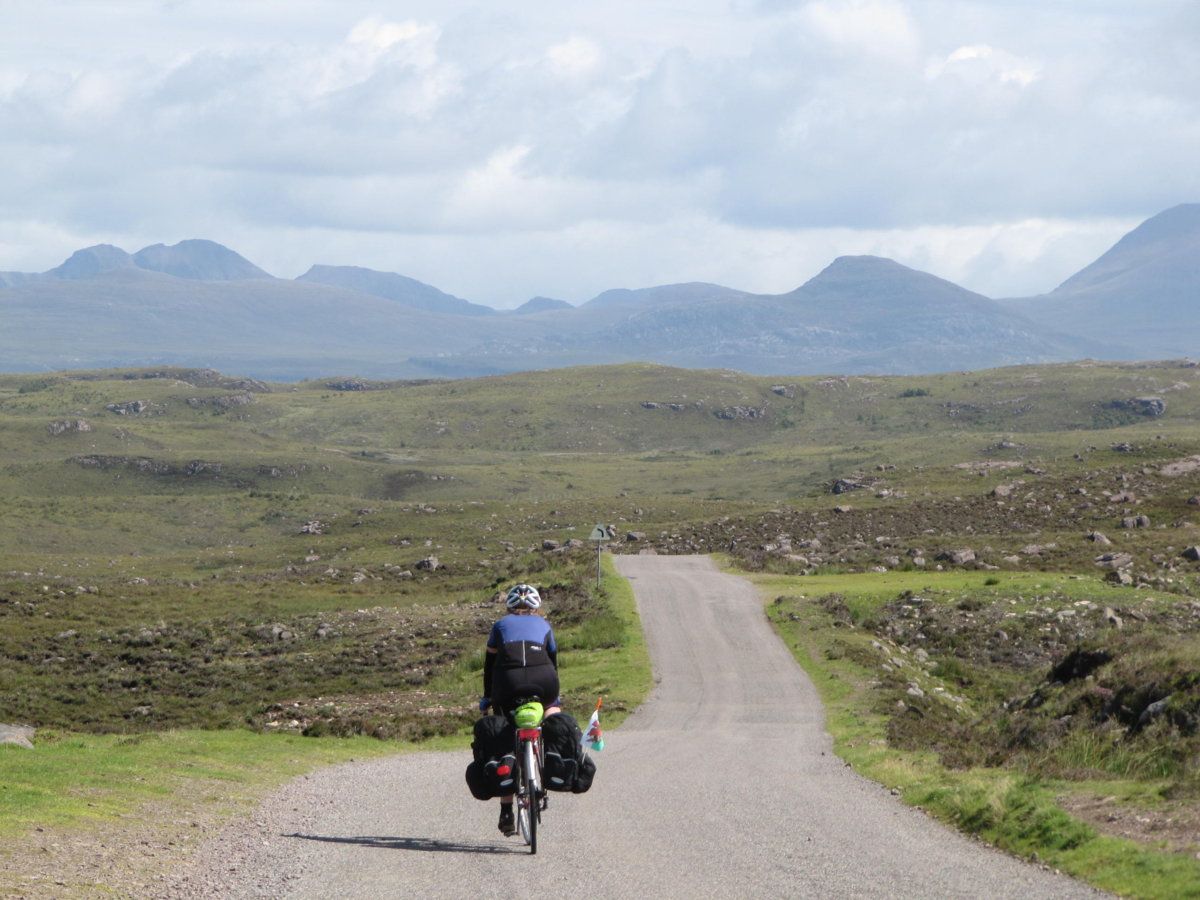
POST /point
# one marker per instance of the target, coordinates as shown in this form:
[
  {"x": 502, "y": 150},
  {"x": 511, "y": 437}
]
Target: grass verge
[{"x": 1009, "y": 808}]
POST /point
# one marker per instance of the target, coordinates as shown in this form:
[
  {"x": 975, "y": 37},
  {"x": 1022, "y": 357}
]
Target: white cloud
[
  {"x": 983, "y": 60},
  {"x": 877, "y": 28},
  {"x": 546, "y": 148},
  {"x": 574, "y": 57}
]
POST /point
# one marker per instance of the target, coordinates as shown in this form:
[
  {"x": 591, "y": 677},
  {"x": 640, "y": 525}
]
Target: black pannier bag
[
  {"x": 490, "y": 773},
  {"x": 566, "y": 766}
]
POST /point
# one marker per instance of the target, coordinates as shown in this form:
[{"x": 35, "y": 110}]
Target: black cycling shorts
[{"x": 512, "y": 685}]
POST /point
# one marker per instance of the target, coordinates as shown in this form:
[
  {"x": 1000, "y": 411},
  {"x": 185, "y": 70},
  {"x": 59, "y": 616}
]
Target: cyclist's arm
[
  {"x": 552, "y": 647},
  {"x": 489, "y": 663}
]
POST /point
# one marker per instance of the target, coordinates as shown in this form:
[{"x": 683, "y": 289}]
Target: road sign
[
  {"x": 600, "y": 534},
  {"x": 603, "y": 533}
]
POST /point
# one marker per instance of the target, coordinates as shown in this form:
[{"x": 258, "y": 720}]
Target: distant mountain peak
[
  {"x": 1168, "y": 242},
  {"x": 541, "y": 304},
  {"x": 90, "y": 261},
  {"x": 199, "y": 260},
  {"x": 393, "y": 286}
]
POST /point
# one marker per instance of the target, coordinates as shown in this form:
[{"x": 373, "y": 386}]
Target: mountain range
[{"x": 197, "y": 303}]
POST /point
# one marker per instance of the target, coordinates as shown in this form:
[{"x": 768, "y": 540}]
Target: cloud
[{"x": 992, "y": 142}]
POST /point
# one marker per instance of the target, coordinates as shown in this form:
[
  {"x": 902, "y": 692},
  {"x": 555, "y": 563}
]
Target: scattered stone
[
  {"x": 17, "y": 736},
  {"x": 358, "y": 577},
  {"x": 348, "y": 384},
  {"x": 1122, "y": 497},
  {"x": 428, "y": 564},
  {"x": 1192, "y": 553},
  {"x": 741, "y": 412},
  {"x": 313, "y": 527},
  {"x": 1135, "y": 522},
  {"x": 1181, "y": 467},
  {"x": 69, "y": 426},
  {"x": 1119, "y": 576},
  {"x": 1099, "y": 537},
  {"x": 1147, "y": 406},
  {"x": 958, "y": 557},
  {"x": 846, "y": 485},
  {"x": 1123, "y": 447},
  {"x": 1001, "y": 491},
  {"x": 550, "y": 545},
  {"x": 783, "y": 390},
  {"x": 1153, "y": 711},
  {"x": 275, "y": 633},
  {"x": 1114, "y": 560},
  {"x": 634, "y": 536},
  {"x": 1194, "y": 501},
  {"x": 1111, "y": 617},
  {"x": 403, "y": 573},
  {"x": 649, "y": 404},
  {"x": 324, "y": 630},
  {"x": 841, "y": 509},
  {"x": 131, "y": 408}
]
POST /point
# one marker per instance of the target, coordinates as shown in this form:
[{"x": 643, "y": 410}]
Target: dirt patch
[
  {"x": 1176, "y": 827},
  {"x": 1181, "y": 467}
]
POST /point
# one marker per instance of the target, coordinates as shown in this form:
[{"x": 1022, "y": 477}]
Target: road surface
[{"x": 723, "y": 784}]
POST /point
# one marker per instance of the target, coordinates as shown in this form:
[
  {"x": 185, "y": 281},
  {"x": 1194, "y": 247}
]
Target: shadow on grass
[{"x": 411, "y": 843}]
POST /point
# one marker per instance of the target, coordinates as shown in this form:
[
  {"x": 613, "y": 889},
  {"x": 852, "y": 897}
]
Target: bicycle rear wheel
[{"x": 528, "y": 814}]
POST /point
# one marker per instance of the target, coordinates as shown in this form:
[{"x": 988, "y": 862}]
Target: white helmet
[{"x": 523, "y": 595}]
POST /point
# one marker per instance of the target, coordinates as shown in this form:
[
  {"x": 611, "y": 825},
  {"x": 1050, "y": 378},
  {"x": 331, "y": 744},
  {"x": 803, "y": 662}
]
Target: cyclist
[{"x": 521, "y": 663}]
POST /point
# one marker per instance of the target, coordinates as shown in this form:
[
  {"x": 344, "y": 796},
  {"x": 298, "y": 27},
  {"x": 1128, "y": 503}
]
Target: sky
[{"x": 550, "y": 147}]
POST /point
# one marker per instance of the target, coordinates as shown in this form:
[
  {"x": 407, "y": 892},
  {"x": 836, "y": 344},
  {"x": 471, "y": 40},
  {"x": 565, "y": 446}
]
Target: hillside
[
  {"x": 198, "y": 303},
  {"x": 1141, "y": 296},
  {"x": 391, "y": 286}
]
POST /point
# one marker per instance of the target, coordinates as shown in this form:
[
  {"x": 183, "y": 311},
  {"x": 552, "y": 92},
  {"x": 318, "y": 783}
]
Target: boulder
[
  {"x": 348, "y": 384},
  {"x": 649, "y": 404},
  {"x": 783, "y": 390},
  {"x": 1194, "y": 501},
  {"x": 846, "y": 485},
  {"x": 275, "y": 633},
  {"x": 1098, "y": 537},
  {"x": 550, "y": 545},
  {"x": 958, "y": 557},
  {"x": 1192, "y": 553},
  {"x": 842, "y": 509},
  {"x": 1120, "y": 576},
  {"x": 312, "y": 527},
  {"x": 1123, "y": 447},
  {"x": 1002, "y": 490},
  {"x": 17, "y": 735},
  {"x": 1114, "y": 560},
  {"x": 1135, "y": 522},
  {"x": 428, "y": 564},
  {"x": 634, "y": 536}
]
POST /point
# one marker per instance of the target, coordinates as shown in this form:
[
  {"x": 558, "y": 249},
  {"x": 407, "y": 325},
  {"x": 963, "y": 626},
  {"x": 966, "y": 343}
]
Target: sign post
[{"x": 600, "y": 534}]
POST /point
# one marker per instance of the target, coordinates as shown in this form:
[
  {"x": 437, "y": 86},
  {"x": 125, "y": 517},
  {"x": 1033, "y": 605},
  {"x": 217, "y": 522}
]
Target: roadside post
[{"x": 600, "y": 534}]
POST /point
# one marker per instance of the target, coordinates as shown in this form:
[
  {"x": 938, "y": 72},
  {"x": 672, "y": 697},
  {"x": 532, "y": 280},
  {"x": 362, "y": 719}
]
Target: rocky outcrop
[
  {"x": 222, "y": 403},
  {"x": 737, "y": 413},
  {"x": 1147, "y": 406},
  {"x": 69, "y": 426},
  {"x": 129, "y": 408}
]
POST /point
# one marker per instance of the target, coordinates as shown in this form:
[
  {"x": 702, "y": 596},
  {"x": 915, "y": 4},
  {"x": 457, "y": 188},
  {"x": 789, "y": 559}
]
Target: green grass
[
  {"x": 1006, "y": 806},
  {"x": 74, "y": 780}
]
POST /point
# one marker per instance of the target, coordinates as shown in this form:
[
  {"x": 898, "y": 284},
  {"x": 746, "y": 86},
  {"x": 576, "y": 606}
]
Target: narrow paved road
[{"x": 723, "y": 785}]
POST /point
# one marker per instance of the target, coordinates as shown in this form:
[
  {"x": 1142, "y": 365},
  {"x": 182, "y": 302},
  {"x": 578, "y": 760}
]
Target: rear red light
[
  {"x": 529, "y": 734},
  {"x": 503, "y": 770}
]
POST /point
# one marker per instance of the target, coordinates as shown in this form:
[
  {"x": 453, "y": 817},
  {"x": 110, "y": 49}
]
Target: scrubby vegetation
[{"x": 186, "y": 549}]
